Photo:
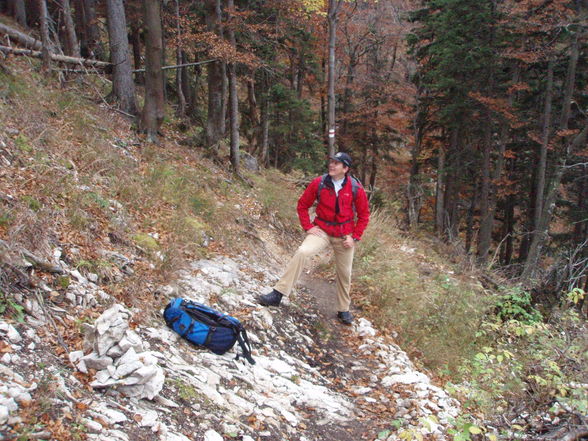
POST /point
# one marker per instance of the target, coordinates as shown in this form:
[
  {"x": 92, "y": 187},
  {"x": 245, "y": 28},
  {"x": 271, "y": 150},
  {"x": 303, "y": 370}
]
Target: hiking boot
[
  {"x": 272, "y": 299},
  {"x": 345, "y": 317}
]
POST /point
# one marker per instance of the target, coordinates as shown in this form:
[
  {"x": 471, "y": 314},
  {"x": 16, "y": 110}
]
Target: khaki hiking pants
[{"x": 311, "y": 246}]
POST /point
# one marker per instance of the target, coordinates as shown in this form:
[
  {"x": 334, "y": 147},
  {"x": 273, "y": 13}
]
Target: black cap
[{"x": 342, "y": 157}]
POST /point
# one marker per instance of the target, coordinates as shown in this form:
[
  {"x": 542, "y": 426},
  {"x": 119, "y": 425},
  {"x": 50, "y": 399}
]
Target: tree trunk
[
  {"x": 543, "y": 221},
  {"x": 486, "y": 215},
  {"x": 45, "y": 56},
  {"x": 265, "y": 123},
  {"x": 531, "y": 264},
  {"x": 20, "y": 12},
  {"x": 440, "y": 194},
  {"x": 90, "y": 42},
  {"x": 414, "y": 190},
  {"x": 123, "y": 87},
  {"x": 72, "y": 47},
  {"x": 22, "y": 39},
  {"x": 489, "y": 211},
  {"x": 252, "y": 114},
  {"x": 136, "y": 45},
  {"x": 332, "y": 22},
  {"x": 153, "y": 110},
  {"x": 542, "y": 163},
  {"x": 374, "y": 167},
  {"x": 179, "y": 72},
  {"x": 470, "y": 219},
  {"x": 233, "y": 97},
  {"x": 508, "y": 231},
  {"x": 215, "y": 117}
]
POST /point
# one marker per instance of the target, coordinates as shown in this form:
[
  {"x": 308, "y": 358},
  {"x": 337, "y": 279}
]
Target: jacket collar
[{"x": 329, "y": 181}]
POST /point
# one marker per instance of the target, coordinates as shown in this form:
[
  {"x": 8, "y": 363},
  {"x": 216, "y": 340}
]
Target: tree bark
[
  {"x": 180, "y": 72},
  {"x": 123, "y": 87},
  {"x": 215, "y": 117},
  {"x": 45, "y": 55},
  {"x": 265, "y": 121},
  {"x": 486, "y": 213},
  {"x": 414, "y": 190},
  {"x": 72, "y": 46},
  {"x": 469, "y": 234},
  {"x": 542, "y": 163},
  {"x": 60, "y": 58},
  {"x": 135, "y": 41},
  {"x": 233, "y": 97},
  {"x": 440, "y": 193},
  {"x": 23, "y": 39},
  {"x": 334, "y": 6},
  {"x": 153, "y": 110},
  {"x": 94, "y": 47},
  {"x": 19, "y": 11}
]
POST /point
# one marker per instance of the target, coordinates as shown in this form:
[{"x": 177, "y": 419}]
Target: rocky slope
[{"x": 313, "y": 379}]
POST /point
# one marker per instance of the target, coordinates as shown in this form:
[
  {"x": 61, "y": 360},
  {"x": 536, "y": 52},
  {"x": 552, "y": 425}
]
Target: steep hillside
[{"x": 99, "y": 230}]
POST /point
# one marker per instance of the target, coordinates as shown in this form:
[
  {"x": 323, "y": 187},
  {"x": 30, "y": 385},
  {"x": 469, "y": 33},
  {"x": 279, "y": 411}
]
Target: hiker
[{"x": 339, "y": 198}]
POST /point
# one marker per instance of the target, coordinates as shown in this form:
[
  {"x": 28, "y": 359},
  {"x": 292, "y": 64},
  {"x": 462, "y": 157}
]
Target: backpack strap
[
  {"x": 320, "y": 187},
  {"x": 245, "y": 345},
  {"x": 354, "y": 187}
]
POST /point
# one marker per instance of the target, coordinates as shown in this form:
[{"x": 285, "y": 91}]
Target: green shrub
[{"x": 516, "y": 304}]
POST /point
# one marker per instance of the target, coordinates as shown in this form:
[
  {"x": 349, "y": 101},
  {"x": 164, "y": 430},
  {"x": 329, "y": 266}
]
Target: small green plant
[
  {"x": 33, "y": 203},
  {"x": 185, "y": 391},
  {"x": 9, "y": 307},
  {"x": 516, "y": 304},
  {"x": 23, "y": 143},
  {"x": 95, "y": 198},
  {"x": 575, "y": 295},
  {"x": 63, "y": 282}
]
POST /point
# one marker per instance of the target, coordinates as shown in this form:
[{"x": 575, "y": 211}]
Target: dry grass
[{"x": 434, "y": 305}]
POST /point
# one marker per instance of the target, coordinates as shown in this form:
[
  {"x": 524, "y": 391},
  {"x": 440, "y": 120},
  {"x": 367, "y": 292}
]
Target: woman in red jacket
[{"x": 342, "y": 215}]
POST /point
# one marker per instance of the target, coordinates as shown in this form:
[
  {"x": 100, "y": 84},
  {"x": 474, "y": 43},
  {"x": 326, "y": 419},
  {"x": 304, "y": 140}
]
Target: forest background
[{"x": 467, "y": 121}]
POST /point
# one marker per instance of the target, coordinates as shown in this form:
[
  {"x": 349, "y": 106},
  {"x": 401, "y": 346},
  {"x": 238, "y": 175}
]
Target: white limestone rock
[{"x": 212, "y": 435}]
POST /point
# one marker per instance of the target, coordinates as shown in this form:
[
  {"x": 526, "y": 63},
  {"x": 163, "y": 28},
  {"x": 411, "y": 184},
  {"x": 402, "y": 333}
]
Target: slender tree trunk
[
  {"x": 72, "y": 46},
  {"x": 136, "y": 45},
  {"x": 123, "y": 87},
  {"x": 508, "y": 231},
  {"x": 215, "y": 117},
  {"x": 19, "y": 11},
  {"x": 470, "y": 219},
  {"x": 440, "y": 194},
  {"x": 542, "y": 164},
  {"x": 153, "y": 111},
  {"x": 43, "y": 18},
  {"x": 374, "y": 166},
  {"x": 265, "y": 123},
  {"x": 252, "y": 114},
  {"x": 414, "y": 190},
  {"x": 180, "y": 71},
  {"x": 486, "y": 215},
  {"x": 94, "y": 40},
  {"x": 332, "y": 22},
  {"x": 187, "y": 90},
  {"x": 234, "y": 98}
]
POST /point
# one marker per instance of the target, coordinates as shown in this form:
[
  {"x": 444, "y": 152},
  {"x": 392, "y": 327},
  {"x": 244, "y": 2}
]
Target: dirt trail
[{"x": 338, "y": 359}]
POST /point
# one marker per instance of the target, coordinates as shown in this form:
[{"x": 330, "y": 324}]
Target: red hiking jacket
[{"x": 334, "y": 213}]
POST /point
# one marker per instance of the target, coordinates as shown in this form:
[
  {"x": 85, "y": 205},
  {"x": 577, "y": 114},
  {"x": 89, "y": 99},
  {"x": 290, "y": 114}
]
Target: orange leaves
[{"x": 499, "y": 105}]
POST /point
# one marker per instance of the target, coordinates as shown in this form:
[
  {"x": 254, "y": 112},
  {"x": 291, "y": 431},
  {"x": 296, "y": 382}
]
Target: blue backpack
[{"x": 206, "y": 327}]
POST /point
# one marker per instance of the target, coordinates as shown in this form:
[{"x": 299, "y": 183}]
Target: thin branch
[{"x": 177, "y": 66}]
